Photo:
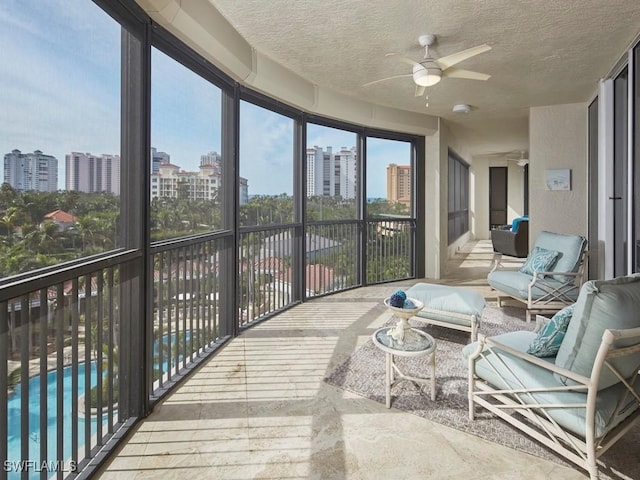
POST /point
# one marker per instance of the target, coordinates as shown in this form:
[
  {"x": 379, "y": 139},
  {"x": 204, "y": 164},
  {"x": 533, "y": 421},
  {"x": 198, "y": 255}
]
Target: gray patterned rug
[{"x": 363, "y": 373}]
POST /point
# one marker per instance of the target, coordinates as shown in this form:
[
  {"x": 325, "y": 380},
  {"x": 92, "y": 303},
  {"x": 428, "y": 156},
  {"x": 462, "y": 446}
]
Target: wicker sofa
[{"x": 513, "y": 242}]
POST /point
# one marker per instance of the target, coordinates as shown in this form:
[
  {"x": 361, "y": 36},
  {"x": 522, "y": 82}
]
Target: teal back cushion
[
  {"x": 569, "y": 248},
  {"x": 602, "y": 304},
  {"x": 549, "y": 338},
  {"x": 539, "y": 260}
]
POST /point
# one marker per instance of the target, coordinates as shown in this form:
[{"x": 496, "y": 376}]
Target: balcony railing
[
  {"x": 389, "y": 252},
  {"x": 62, "y": 350},
  {"x": 331, "y": 262},
  {"x": 186, "y": 294},
  {"x": 265, "y": 271},
  {"x": 59, "y": 366}
]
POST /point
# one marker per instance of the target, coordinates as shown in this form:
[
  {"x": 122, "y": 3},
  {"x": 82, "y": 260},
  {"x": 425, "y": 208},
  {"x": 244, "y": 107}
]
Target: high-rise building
[
  {"x": 243, "y": 185},
  {"x": 330, "y": 174},
  {"x": 31, "y": 171},
  {"x": 93, "y": 173},
  {"x": 157, "y": 158},
  {"x": 399, "y": 184},
  {"x": 345, "y": 172},
  {"x": 214, "y": 159}
]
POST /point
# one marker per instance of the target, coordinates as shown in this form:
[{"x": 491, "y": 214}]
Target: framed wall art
[{"x": 558, "y": 179}]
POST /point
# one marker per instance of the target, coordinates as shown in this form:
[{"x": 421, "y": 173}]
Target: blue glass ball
[{"x": 396, "y": 300}]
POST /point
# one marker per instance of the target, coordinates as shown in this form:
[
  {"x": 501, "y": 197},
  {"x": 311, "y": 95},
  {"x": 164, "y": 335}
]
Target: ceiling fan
[
  {"x": 430, "y": 70},
  {"x": 520, "y": 157},
  {"x": 523, "y": 160}
]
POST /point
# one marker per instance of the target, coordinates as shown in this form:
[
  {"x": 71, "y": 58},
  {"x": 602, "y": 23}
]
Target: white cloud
[
  {"x": 54, "y": 99},
  {"x": 266, "y": 151},
  {"x": 185, "y": 112}
]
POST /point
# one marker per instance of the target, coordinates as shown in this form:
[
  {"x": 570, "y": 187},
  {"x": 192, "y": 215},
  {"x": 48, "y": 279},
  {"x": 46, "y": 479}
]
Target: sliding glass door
[
  {"x": 620, "y": 172},
  {"x": 636, "y": 160}
]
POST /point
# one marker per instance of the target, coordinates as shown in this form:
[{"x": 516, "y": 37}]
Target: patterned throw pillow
[
  {"x": 539, "y": 260},
  {"x": 549, "y": 338}
]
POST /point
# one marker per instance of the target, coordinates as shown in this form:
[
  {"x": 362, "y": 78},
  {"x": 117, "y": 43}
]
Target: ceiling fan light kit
[{"x": 426, "y": 76}]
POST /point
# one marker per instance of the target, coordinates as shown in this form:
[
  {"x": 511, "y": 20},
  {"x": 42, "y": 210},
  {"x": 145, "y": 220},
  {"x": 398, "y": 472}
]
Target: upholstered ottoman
[{"x": 451, "y": 307}]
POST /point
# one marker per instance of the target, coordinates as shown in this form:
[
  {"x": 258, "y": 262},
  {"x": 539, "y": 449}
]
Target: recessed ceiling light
[{"x": 461, "y": 108}]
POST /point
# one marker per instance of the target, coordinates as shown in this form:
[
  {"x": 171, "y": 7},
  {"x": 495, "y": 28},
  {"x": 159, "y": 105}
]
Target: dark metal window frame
[
  {"x": 139, "y": 35},
  {"x": 461, "y": 193}
]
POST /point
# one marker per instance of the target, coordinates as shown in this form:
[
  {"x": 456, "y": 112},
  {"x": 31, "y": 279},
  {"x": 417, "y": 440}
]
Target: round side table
[
  {"x": 403, "y": 333},
  {"x": 421, "y": 344}
]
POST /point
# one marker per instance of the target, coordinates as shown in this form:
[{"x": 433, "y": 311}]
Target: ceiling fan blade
[
  {"x": 420, "y": 90},
  {"x": 469, "y": 75},
  {"x": 451, "y": 60},
  {"x": 511, "y": 155},
  {"x": 387, "y": 78},
  {"x": 518, "y": 155},
  {"x": 402, "y": 58}
]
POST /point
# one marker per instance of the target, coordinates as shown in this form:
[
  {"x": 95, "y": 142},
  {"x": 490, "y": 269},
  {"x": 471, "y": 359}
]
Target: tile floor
[{"x": 260, "y": 410}]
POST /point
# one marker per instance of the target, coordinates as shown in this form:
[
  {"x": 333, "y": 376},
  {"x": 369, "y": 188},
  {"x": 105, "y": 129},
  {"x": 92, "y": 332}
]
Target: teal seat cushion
[
  {"x": 516, "y": 283},
  {"x": 510, "y": 372},
  {"x": 549, "y": 338},
  {"x": 569, "y": 248},
  {"x": 602, "y": 304},
  {"x": 447, "y": 299}
]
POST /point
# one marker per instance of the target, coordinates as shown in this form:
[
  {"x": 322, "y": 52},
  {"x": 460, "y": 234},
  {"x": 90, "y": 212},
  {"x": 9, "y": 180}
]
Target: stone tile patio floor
[{"x": 259, "y": 409}]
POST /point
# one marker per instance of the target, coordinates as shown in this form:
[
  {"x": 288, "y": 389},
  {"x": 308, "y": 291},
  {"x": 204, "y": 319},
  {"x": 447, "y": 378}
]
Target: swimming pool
[
  {"x": 35, "y": 464},
  {"x": 35, "y": 434}
]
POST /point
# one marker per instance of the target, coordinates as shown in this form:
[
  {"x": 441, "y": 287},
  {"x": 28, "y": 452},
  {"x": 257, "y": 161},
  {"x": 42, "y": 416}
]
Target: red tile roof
[{"x": 60, "y": 216}]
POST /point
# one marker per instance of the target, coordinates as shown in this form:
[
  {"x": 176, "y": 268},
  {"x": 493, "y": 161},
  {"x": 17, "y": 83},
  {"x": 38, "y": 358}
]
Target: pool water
[{"x": 35, "y": 434}]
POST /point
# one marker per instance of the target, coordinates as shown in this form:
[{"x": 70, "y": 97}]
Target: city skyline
[
  {"x": 85, "y": 156},
  {"x": 77, "y": 108}
]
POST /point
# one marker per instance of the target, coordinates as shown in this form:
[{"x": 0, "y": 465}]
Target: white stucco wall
[
  {"x": 433, "y": 212},
  {"x": 436, "y": 198},
  {"x": 558, "y": 140}
]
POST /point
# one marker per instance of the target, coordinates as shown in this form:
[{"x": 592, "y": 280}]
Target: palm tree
[
  {"x": 9, "y": 221},
  {"x": 8, "y": 195},
  {"x": 85, "y": 229},
  {"x": 13, "y": 379}
]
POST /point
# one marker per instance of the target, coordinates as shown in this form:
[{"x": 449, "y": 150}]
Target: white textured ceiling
[{"x": 544, "y": 52}]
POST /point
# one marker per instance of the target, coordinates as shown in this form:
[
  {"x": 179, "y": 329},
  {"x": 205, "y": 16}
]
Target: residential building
[
  {"x": 399, "y": 184},
  {"x": 331, "y": 174},
  {"x": 213, "y": 159},
  {"x": 171, "y": 181},
  {"x": 92, "y": 173},
  {"x": 157, "y": 158},
  {"x": 243, "y": 188},
  {"x": 63, "y": 219},
  {"x": 31, "y": 171}
]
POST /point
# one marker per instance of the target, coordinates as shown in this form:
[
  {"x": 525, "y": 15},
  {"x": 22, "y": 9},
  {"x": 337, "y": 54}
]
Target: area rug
[{"x": 363, "y": 373}]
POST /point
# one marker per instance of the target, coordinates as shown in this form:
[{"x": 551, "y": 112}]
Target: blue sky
[
  {"x": 48, "y": 103},
  {"x": 60, "y": 92}
]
